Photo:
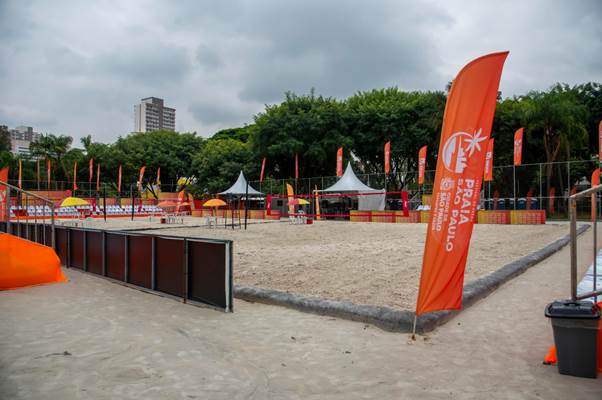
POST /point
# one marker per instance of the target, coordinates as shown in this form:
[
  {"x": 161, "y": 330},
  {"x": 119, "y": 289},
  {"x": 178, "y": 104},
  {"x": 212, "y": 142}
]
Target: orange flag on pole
[
  {"x": 518, "y": 146},
  {"x": 600, "y": 143},
  {"x": 262, "y": 170},
  {"x": 74, "y": 176},
  {"x": 91, "y": 171},
  {"x": 98, "y": 177},
  {"x": 3, "y": 198},
  {"x": 20, "y": 173},
  {"x": 119, "y": 179},
  {"x": 466, "y": 128},
  {"x": 595, "y": 182},
  {"x": 340, "y": 161},
  {"x": 388, "y": 157},
  {"x": 489, "y": 161},
  {"x": 296, "y": 165},
  {"x": 48, "y": 173},
  {"x": 158, "y": 176},
  {"x": 140, "y": 177},
  {"x": 421, "y": 164}
]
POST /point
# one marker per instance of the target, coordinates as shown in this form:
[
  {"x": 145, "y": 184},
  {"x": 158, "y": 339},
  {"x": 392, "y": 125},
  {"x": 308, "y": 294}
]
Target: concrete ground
[{"x": 91, "y": 338}]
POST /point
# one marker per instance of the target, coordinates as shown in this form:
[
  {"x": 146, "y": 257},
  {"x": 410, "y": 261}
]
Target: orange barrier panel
[
  {"x": 359, "y": 216},
  {"x": 493, "y": 217},
  {"x": 424, "y": 216},
  {"x": 383, "y": 216},
  {"x": 426, "y": 199},
  {"x": 414, "y": 217},
  {"x": 24, "y": 263},
  {"x": 527, "y": 217}
]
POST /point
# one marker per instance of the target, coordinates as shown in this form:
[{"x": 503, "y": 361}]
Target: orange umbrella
[{"x": 214, "y": 203}]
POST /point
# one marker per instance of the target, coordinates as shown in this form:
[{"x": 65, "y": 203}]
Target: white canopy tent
[
  {"x": 240, "y": 188},
  {"x": 350, "y": 183}
]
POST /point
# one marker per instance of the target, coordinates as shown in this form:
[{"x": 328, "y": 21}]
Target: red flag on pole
[
  {"x": 595, "y": 182},
  {"x": 340, "y": 161},
  {"x": 140, "y": 177},
  {"x": 91, "y": 172},
  {"x": 3, "y": 197},
  {"x": 460, "y": 163},
  {"x": 119, "y": 179},
  {"x": 48, "y": 173},
  {"x": 421, "y": 164},
  {"x": 518, "y": 146},
  {"x": 262, "y": 170},
  {"x": 296, "y": 165},
  {"x": 74, "y": 176},
  {"x": 489, "y": 161},
  {"x": 20, "y": 173},
  {"x": 405, "y": 204},
  {"x": 98, "y": 177},
  {"x": 388, "y": 157}
]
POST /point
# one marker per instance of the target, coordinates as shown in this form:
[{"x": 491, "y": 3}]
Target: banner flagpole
[{"x": 414, "y": 328}]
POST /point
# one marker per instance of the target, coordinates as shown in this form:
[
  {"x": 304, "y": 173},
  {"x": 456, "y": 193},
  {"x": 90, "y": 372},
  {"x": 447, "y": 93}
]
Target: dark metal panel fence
[{"x": 199, "y": 270}]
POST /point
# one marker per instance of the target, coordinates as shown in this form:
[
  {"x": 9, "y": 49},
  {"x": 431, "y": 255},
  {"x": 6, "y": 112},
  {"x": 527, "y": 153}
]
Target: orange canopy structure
[{"x": 24, "y": 263}]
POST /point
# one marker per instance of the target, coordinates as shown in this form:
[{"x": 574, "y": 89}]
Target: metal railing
[
  {"x": 573, "y": 216},
  {"x": 22, "y": 200}
]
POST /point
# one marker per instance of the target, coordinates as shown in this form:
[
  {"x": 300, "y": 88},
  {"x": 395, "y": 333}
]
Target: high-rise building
[
  {"x": 151, "y": 115},
  {"x": 20, "y": 139}
]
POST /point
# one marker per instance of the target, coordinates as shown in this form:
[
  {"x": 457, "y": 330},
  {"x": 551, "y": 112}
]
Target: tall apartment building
[
  {"x": 20, "y": 138},
  {"x": 151, "y": 115}
]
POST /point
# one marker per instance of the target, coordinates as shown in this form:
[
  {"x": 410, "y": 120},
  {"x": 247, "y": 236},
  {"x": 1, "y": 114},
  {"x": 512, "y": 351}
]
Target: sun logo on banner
[{"x": 458, "y": 149}]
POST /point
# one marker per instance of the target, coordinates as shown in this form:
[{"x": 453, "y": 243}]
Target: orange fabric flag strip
[
  {"x": 3, "y": 197},
  {"x": 387, "y": 157},
  {"x": 97, "y": 177},
  {"x": 262, "y": 170},
  {"x": 466, "y": 127},
  {"x": 340, "y": 161},
  {"x": 291, "y": 195},
  {"x": 140, "y": 177},
  {"x": 518, "y": 147},
  {"x": 421, "y": 164},
  {"x": 74, "y": 176},
  {"x": 595, "y": 182},
  {"x": 489, "y": 161},
  {"x": 119, "y": 179},
  {"x": 25, "y": 263},
  {"x": 91, "y": 167},
  {"x": 20, "y": 173},
  {"x": 48, "y": 172}
]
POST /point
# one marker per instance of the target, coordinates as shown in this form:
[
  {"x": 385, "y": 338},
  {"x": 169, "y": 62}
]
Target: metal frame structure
[
  {"x": 573, "y": 217},
  {"x": 28, "y": 194}
]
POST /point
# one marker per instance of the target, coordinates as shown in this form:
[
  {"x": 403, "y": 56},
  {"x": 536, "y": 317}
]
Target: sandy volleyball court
[{"x": 366, "y": 263}]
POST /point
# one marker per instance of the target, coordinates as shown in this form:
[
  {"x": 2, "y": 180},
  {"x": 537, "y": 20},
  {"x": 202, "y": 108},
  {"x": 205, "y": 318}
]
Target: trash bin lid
[{"x": 581, "y": 309}]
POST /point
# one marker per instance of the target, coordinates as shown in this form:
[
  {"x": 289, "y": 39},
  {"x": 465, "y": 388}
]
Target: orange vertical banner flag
[
  {"x": 460, "y": 164},
  {"x": 488, "y": 174},
  {"x": 3, "y": 197},
  {"x": 140, "y": 177},
  {"x": 119, "y": 179},
  {"x": 595, "y": 182},
  {"x": 296, "y": 165},
  {"x": 262, "y": 170},
  {"x": 388, "y": 157},
  {"x": 48, "y": 173},
  {"x": 74, "y": 176},
  {"x": 91, "y": 172},
  {"x": 98, "y": 177},
  {"x": 340, "y": 161},
  {"x": 600, "y": 142},
  {"x": 421, "y": 164},
  {"x": 20, "y": 173},
  {"x": 158, "y": 182},
  {"x": 518, "y": 146}
]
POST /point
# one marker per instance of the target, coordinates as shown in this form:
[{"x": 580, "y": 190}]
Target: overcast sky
[{"x": 78, "y": 67}]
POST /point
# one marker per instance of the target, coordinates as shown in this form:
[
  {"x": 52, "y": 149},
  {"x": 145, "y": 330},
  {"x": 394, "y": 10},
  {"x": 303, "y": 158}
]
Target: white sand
[{"x": 366, "y": 263}]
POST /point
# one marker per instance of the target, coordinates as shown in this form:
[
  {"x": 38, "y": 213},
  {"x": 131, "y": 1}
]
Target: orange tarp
[{"x": 24, "y": 263}]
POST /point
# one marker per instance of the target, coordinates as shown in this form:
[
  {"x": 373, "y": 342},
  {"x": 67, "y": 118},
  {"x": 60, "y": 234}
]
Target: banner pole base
[{"x": 414, "y": 328}]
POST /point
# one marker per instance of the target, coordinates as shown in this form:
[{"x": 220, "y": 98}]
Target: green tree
[
  {"x": 53, "y": 148},
  {"x": 311, "y": 126},
  {"x": 4, "y": 139},
  {"x": 409, "y": 120},
  {"x": 217, "y": 166}
]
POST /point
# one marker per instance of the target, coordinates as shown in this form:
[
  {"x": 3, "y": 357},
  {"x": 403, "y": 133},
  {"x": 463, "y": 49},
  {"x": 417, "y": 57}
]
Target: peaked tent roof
[
  {"x": 240, "y": 187},
  {"x": 349, "y": 183}
]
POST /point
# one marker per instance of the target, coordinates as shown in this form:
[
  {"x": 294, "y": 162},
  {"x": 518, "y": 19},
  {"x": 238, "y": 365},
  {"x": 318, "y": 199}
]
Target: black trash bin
[{"x": 575, "y": 325}]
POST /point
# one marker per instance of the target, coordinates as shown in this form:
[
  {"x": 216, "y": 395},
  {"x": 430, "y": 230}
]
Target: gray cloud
[{"x": 77, "y": 67}]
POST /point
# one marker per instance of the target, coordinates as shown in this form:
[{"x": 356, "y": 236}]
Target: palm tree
[{"x": 52, "y": 147}]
